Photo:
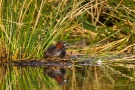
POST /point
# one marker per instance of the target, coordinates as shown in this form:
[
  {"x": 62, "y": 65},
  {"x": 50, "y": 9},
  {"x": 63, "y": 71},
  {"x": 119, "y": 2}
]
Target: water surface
[{"x": 76, "y": 77}]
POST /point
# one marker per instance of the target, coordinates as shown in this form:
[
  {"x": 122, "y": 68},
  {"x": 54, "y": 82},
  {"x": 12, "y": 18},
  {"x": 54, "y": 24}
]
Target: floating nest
[
  {"x": 53, "y": 61},
  {"x": 42, "y": 62}
]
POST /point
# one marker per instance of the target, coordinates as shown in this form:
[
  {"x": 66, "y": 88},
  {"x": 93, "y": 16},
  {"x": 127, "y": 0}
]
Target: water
[
  {"x": 101, "y": 78},
  {"x": 75, "y": 77}
]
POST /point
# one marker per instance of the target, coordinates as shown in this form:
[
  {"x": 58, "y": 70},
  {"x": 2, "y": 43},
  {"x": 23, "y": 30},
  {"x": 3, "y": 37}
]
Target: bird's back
[{"x": 49, "y": 52}]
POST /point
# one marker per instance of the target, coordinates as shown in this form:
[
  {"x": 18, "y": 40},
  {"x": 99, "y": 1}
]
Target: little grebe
[{"x": 56, "y": 51}]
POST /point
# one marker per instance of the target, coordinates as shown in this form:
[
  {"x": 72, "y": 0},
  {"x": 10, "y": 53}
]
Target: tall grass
[
  {"x": 116, "y": 26},
  {"x": 27, "y": 28}
]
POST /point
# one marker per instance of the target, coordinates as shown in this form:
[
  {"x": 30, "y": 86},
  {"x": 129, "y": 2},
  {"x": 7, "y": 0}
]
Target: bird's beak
[{"x": 66, "y": 44}]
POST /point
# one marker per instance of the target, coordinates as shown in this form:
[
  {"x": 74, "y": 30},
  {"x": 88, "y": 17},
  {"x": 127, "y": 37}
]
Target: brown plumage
[{"x": 56, "y": 51}]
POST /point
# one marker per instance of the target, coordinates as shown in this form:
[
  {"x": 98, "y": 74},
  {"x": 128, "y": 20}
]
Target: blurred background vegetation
[{"x": 28, "y": 27}]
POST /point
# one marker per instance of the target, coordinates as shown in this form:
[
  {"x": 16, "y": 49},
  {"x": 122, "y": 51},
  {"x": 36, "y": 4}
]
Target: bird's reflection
[{"x": 56, "y": 72}]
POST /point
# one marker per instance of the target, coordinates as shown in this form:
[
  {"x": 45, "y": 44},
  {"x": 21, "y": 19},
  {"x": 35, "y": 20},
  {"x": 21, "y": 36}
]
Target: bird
[{"x": 56, "y": 51}]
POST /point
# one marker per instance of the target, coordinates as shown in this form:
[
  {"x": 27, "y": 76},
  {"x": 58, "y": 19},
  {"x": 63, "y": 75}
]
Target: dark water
[{"x": 77, "y": 77}]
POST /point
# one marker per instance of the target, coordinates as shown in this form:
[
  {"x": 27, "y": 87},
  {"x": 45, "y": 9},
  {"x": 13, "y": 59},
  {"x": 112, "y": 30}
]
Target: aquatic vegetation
[{"x": 29, "y": 26}]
